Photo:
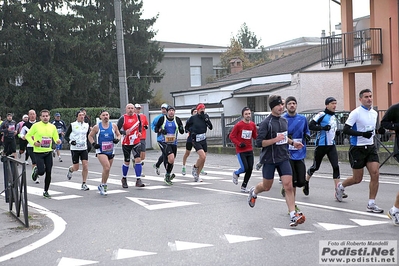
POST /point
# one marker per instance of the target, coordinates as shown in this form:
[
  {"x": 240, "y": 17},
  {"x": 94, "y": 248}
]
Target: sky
[{"x": 214, "y": 22}]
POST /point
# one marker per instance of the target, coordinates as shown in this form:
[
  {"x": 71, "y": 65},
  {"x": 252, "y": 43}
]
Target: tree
[
  {"x": 247, "y": 38},
  {"x": 49, "y": 59}
]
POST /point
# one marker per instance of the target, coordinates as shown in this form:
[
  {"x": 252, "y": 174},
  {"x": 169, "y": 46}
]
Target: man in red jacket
[{"x": 242, "y": 134}]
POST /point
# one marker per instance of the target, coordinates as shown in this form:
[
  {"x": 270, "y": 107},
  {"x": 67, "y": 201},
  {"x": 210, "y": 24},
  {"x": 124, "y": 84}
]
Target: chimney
[{"x": 235, "y": 65}]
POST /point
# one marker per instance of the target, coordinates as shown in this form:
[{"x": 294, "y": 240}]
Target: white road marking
[
  {"x": 330, "y": 226},
  {"x": 236, "y": 238},
  {"x": 59, "y": 228},
  {"x": 291, "y": 232},
  {"x": 181, "y": 245},
  {"x": 166, "y": 203},
  {"x": 75, "y": 262},
  {"x": 129, "y": 253}
]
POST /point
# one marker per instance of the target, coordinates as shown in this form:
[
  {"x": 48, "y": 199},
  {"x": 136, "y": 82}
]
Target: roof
[
  {"x": 289, "y": 64},
  {"x": 188, "y": 45},
  {"x": 302, "y": 41}
]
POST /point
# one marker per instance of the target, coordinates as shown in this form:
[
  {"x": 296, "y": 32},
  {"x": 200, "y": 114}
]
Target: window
[{"x": 195, "y": 76}]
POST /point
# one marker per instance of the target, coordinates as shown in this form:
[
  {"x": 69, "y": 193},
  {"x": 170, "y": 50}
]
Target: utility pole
[{"x": 120, "y": 49}]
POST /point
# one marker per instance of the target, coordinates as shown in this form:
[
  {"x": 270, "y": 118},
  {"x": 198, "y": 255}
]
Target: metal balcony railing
[{"x": 358, "y": 47}]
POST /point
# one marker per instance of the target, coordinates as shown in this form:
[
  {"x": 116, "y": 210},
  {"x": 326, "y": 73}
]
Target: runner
[
  {"x": 273, "y": 139},
  {"x": 8, "y": 128},
  {"x": 129, "y": 126},
  {"x": 169, "y": 126},
  {"x": 298, "y": 130},
  {"x": 76, "y": 135},
  {"x": 326, "y": 124},
  {"x": 107, "y": 135},
  {"x": 197, "y": 126},
  {"x": 361, "y": 125},
  {"x": 22, "y": 142},
  {"x": 241, "y": 135},
  {"x": 29, "y": 147},
  {"x": 144, "y": 124},
  {"x": 159, "y": 137},
  {"x": 40, "y": 136},
  {"x": 61, "y": 128}
]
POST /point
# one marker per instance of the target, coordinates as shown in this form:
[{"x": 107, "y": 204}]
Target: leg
[
  {"x": 248, "y": 164},
  {"x": 373, "y": 168}
]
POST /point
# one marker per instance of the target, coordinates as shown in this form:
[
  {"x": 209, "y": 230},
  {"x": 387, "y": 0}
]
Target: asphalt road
[{"x": 189, "y": 223}]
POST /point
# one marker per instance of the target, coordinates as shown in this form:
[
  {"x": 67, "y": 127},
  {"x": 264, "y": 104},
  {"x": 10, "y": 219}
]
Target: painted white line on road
[
  {"x": 59, "y": 228},
  {"x": 339, "y": 209}
]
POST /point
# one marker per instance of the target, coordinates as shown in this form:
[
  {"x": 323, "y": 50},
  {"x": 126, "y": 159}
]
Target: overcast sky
[{"x": 214, "y": 22}]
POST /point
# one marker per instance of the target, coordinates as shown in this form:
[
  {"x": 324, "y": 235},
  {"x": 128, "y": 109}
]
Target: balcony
[{"x": 352, "y": 49}]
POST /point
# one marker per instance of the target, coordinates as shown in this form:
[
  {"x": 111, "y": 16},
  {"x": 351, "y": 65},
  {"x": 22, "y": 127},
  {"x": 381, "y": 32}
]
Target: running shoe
[
  {"x": 394, "y": 217},
  {"x": 282, "y": 191},
  {"x": 105, "y": 188},
  {"x": 34, "y": 173},
  {"x": 251, "y": 197},
  {"x": 194, "y": 172},
  {"x": 85, "y": 187},
  {"x": 59, "y": 159},
  {"x": 172, "y": 176},
  {"x": 46, "y": 195},
  {"x": 26, "y": 162},
  {"x": 244, "y": 190},
  {"x": 124, "y": 182},
  {"x": 279, "y": 181},
  {"x": 299, "y": 218},
  {"x": 101, "y": 189},
  {"x": 344, "y": 195},
  {"x": 306, "y": 188},
  {"x": 339, "y": 192},
  {"x": 157, "y": 171},
  {"x": 183, "y": 170},
  {"x": 235, "y": 178},
  {"x": 374, "y": 208},
  {"x": 167, "y": 180},
  {"x": 139, "y": 183},
  {"x": 69, "y": 174},
  {"x": 53, "y": 153},
  {"x": 203, "y": 172},
  {"x": 296, "y": 210},
  {"x": 37, "y": 180}
]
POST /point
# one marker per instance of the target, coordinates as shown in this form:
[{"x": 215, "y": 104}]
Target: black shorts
[
  {"x": 110, "y": 156},
  {"x": 189, "y": 145},
  {"x": 10, "y": 146},
  {"x": 359, "y": 156},
  {"x": 127, "y": 149},
  {"x": 298, "y": 173},
  {"x": 81, "y": 154},
  {"x": 22, "y": 144},
  {"x": 200, "y": 145}
]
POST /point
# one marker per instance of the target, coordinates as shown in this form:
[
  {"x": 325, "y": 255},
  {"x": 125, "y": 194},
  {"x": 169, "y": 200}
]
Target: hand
[
  {"x": 381, "y": 131},
  {"x": 367, "y": 134},
  {"x": 73, "y": 142},
  {"x": 96, "y": 145},
  {"x": 242, "y": 145},
  {"x": 326, "y": 127},
  {"x": 206, "y": 117},
  {"x": 164, "y": 132},
  {"x": 115, "y": 141}
]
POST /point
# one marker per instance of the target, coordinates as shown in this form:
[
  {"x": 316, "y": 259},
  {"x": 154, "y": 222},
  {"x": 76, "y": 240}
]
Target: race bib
[
  {"x": 107, "y": 146},
  {"x": 283, "y": 141},
  {"x": 170, "y": 138},
  {"x": 290, "y": 147},
  {"x": 200, "y": 137},
  {"x": 11, "y": 127},
  {"x": 80, "y": 145},
  {"x": 132, "y": 138},
  {"x": 46, "y": 142},
  {"x": 246, "y": 134}
]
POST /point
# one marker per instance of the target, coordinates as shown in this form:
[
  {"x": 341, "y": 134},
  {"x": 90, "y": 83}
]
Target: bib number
[
  {"x": 170, "y": 138},
  {"x": 107, "y": 146},
  {"x": 200, "y": 137},
  {"x": 246, "y": 134},
  {"x": 283, "y": 141},
  {"x": 46, "y": 142}
]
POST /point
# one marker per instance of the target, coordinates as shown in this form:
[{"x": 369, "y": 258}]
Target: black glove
[
  {"x": 326, "y": 127},
  {"x": 73, "y": 142},
  {"x": 95, "y": 145},
  {"x": 206, "y": 118},
  {"x": 116, "y": 141},
  {"x": 146, "y": 127},
  {"x": 242, "y": 145},
  {"x": 367, "y": 134},
  {"x": 381, "y": 131},
  {"x": 307, "y": 137},
  {"x": 163, "y": 132}
]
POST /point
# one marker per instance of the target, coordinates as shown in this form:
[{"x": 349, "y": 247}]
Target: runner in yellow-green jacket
[{"x": 41, "y": 136}]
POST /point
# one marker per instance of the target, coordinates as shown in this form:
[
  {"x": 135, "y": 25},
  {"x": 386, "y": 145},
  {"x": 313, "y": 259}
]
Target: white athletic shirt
[{"x": 363, "y": 120}]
